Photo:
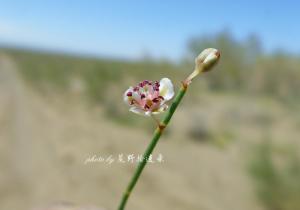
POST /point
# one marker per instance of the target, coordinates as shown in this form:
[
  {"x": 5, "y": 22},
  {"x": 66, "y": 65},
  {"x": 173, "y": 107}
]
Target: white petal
[
  {"x": 166, "y": 89},
  {"x": 203, "y": 55},
  {"x": 210, "y": 57},
  {"x": 138, "y": 111},
  {"x": 161, "y": 109},
  {"x": 136, "y": 96},
  {"x": 125, "y": 97}
]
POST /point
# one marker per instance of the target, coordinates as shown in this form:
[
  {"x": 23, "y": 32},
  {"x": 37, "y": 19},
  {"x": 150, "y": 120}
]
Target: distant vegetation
[
  {"x": 277, "y": 175},
  {"x": 244, "y": 68},
  {"x": 97, "y": 75},
  {"x": 97, "y": 81}
]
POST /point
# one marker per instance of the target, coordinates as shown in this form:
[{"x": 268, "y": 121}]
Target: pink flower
[{"x": 149, "y": 97}]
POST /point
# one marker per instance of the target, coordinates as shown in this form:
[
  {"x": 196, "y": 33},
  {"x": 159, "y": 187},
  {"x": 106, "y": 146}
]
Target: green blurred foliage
[
  {"x": 97, "y": 75},
  {"x": 102, "y": 81},
  {"x": 245, "y": 68},
  {"x": 277, "y": 185}
]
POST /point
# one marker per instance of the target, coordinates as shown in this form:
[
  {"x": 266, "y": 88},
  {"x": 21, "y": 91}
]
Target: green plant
[
  {"x": 277, "y": 186},
  {"x": 149, "y": 98}
]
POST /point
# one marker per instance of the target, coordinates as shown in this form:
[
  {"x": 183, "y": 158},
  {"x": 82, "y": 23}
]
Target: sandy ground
[{"x": 45, "y": 142}]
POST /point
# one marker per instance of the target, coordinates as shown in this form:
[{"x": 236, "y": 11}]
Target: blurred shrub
[
  {"x": 279, "y": 76},
  {"x": 201, "y": 130},
  {"x": 101, "y": 81},
  {"x": 245, "y": 68},
  {"x": 277, "y": 182},
  {"x": 56, "y": 71}
]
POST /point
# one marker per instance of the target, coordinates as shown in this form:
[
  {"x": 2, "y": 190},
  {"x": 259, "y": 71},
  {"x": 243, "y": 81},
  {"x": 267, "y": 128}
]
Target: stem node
[{"x": 161, "y": 127}]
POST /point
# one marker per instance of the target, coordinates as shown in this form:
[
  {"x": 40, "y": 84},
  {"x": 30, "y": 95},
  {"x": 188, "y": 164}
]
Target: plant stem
[{"x": 152, "y": 145}]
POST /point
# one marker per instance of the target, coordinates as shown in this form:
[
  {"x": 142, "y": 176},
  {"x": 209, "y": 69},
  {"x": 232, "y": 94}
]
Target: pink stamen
[
  {"x": 145, "y": 82},
  {"x": 148, "y": 97},
  {"x": 155, "y": 100}
]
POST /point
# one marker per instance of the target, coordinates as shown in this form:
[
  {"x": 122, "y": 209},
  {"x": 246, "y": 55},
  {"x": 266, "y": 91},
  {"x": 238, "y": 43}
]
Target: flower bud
[
  {"x": 204, "y": 62},
  {"x": 207, "y": 59}
]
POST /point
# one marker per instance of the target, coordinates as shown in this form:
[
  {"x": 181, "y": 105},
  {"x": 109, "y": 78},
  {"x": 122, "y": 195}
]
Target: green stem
[{"x": 152, "y": 145}]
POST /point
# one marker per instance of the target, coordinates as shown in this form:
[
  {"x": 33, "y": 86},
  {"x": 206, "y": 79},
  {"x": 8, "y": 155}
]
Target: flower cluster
[{"x": 149, "y": 97}]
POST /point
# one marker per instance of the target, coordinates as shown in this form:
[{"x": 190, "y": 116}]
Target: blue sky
[{"x": 133, "y": 28}]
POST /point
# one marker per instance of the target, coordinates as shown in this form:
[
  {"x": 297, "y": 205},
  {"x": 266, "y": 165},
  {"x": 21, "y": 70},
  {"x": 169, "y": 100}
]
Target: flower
[{"x": 149, "y": 97}]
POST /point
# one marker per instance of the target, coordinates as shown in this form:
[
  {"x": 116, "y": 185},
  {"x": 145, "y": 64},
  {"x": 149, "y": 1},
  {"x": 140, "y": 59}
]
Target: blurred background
[{"x": 233, "y": 143}]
